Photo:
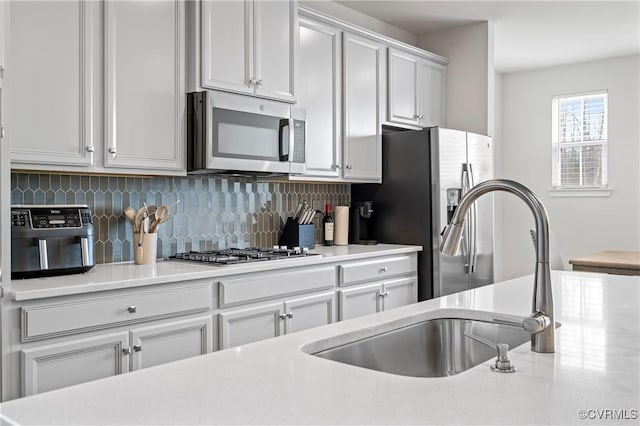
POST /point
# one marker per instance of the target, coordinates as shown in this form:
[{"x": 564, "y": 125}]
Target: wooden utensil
[
  {"x": 162, "y": 214},
  {"x": 130, "y": 214}
]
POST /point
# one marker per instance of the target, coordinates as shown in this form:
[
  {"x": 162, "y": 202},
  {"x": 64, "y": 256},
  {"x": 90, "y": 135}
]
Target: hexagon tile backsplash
[{"x": 213, "y": 212}]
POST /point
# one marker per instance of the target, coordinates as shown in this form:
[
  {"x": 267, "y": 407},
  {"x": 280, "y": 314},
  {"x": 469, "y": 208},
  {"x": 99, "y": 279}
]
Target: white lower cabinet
[
  {"x": 359, "y": 301},
  {"x": 310, "y": 311},
  {"x": 377, "y": 297},
  {"x": 58, "y": 365},
  {"x": 159, "y": 344},
  {"x": 248, "y": 325}
]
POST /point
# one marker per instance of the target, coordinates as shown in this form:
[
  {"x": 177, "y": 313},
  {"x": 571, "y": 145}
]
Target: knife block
[{"x": 296, "y": 235}]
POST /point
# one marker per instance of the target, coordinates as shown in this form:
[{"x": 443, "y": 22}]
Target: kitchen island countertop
[
  {"x": 113, "y": 276},
  {"x": 595, "y": 368}
]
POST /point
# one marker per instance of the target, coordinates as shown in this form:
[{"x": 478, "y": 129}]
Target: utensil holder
[
  {"x": 296, "y": 235},
  {"x": 145, "y": 254}
]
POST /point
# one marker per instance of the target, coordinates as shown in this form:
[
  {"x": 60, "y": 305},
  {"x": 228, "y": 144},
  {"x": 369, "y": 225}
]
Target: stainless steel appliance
[
  {"x": 424, "y": 174},
  {"x": 234, "y": 256},
  {"x": 229, "y": 133},
  {"x": 360, "y": 223},
  {"x": 51, "y": 240}
]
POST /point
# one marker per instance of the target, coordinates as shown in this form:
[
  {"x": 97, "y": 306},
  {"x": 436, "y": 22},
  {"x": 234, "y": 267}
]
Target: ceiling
[{"x": 527, "y": 34}]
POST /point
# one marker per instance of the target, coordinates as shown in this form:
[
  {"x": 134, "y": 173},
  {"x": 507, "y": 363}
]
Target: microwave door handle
[{"x": 284, "y": 143}]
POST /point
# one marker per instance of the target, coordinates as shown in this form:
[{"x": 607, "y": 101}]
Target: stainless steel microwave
[{"x": 228, "y": 133}]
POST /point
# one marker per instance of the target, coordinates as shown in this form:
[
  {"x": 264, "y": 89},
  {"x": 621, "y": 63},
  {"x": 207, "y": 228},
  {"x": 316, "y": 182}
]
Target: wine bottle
[{"x": 327, "y": 223}]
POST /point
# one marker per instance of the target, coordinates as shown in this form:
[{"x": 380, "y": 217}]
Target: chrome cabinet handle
[
  {"x": 113, "y": 151},
  {"x": 337, "y": 166},
  {"x": 290, "y": 315},
  {"x": 126, "y": 351},
  {"x": 252, "y": 81},
  {"x": 132, "y": 309},
  {"x": 383, "y": 269},
  {"x": 283, "y": 316},
  {"x": 349, "y": 166},
  {"x": 137, "y": 348},
  {"x": 383, "y": 293},
  {"x": 90, "y": 148},
  {"x": 259, "y": 83}
]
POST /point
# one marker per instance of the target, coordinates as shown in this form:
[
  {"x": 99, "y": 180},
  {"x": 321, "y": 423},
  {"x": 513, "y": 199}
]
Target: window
[{"x": 579, "y": 139}]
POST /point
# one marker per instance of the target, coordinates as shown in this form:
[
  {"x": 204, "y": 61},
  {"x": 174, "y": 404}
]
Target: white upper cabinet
[
  {"x": 227, "y": 34},
  {"x": 432, "y": 94},
  {"x": 404, "y": 92},
  {"x": 320, "y": 94},
  {"x": 49, "y": 84},
  {"x": 416, "y": 90},
  {"x": 145, "y": 102},
  {"x": 364, "y": 99},
  {"x": 249, "y": 47},
  {"x": 97, "y": 87}
]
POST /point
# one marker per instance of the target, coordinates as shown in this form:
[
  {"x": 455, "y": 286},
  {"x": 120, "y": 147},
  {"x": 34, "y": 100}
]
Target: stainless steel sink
[{"x": 434, "y": 348}]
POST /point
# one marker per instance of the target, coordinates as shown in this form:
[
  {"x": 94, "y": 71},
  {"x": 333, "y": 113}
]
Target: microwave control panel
[
  {"x": 299, "y": 135},
  {"x": 50, "y": 217}
]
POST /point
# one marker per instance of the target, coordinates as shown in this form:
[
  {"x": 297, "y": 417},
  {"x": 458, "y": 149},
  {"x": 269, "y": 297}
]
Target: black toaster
[{"x": 51, "y": 240}]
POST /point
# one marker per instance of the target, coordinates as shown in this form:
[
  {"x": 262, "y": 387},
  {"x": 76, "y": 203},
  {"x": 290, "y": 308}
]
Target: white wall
[
  {"x": 360, "y": 19},
  {"x": 469, "y": 74},
  {"x": 582, "y": 225}
]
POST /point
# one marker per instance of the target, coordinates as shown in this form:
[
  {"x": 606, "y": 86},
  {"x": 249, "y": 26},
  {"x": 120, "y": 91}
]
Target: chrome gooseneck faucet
[{"x": 540, "y": 323}]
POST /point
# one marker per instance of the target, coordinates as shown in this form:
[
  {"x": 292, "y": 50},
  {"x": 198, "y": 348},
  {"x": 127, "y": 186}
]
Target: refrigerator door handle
[
  {"x": 465, "y": 184},
  {"x": 473, "y": 250}
]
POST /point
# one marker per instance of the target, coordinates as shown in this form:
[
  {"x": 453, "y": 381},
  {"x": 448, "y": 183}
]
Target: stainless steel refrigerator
[{"x": 424, "y": 172}]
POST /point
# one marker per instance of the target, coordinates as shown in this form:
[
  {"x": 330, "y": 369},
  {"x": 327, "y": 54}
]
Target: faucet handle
[{"x": 534, "y": 323}]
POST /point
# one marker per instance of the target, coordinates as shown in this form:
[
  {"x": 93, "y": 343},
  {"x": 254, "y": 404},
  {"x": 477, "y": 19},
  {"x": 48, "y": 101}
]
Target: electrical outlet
[{"x": 317, "y": 204}]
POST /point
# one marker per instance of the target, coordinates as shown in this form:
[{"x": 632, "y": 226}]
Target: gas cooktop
[{"x": 235, "y": 256}]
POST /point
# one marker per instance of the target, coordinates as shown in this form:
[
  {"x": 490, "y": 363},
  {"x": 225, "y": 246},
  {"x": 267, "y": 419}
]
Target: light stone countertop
[
  {"x": 114, "y": 276},
  {"x": 596, "y": 367}
]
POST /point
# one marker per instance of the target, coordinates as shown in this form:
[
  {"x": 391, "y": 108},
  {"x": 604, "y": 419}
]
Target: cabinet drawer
[
  {"x": 238, "y": 291},
  {"x": 78, "y": 316},
  {"x": 376, "y": 269}
]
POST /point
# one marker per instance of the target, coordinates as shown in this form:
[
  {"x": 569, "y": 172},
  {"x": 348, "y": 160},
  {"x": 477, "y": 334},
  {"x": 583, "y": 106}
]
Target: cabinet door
[
  {"x": 250, "y": 325},
  {"x": 319, "y": 92},
  {"x": 164, "y": 343},
  {"x": 363, "y": 100},
  {"x": 308, "y": 312},
  {"x": 275, "y": 46},
  {"x": 69, "y": 363},
  {"x": 227, "y": 45},
  {"x": 404, "y": 92},
  {"x": 400, "y": 292},
  {"x": 432, "y": 100},
  {"x": 49, "y": 90},
  {"x": 144, "y": 43},
  {"x": 360, "y": 301}
]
